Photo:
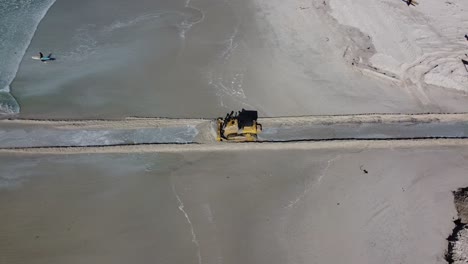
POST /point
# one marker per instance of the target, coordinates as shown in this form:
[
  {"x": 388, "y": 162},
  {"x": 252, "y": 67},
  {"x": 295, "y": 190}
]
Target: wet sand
[
  {"x": 288, "y": 206},
  {"x": 170, "y": 59},
  {"x": 116, "y": 59}
]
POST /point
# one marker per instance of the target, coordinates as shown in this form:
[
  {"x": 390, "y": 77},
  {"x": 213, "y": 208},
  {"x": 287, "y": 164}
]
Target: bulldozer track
[{"x": 194, "y": 147}]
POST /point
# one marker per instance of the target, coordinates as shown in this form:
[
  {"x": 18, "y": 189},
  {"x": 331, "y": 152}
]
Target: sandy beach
[
  {"x": 290, "y": 206},
  {"x": 84, "y": 180}
]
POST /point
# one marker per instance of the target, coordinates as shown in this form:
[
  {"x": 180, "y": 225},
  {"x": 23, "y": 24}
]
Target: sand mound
[{"x": 421, "y": 45}]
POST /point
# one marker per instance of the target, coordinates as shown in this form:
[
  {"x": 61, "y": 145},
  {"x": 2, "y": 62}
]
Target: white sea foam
[
  {"x": 120, "y": 24},
  {"x": 190, "y": 21},
  {"x": 229, "y": 84},
  {"x": 90, "y": 38}
]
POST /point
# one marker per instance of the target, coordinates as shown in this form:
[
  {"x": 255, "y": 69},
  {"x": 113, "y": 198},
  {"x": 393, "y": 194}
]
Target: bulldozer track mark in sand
[
  {"x": 378, "y": 212},
  {"x": 414, "y": 74},
  {"x": 251, "y": 146},
  {"x": 127, "y": 123}
]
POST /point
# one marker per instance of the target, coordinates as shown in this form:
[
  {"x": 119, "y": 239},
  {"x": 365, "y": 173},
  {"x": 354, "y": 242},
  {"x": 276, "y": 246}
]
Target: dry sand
[
  {"x": 240, "y": 206},
  {"x": 298, "y": 28},
  {"x": 420, "y": 46}
]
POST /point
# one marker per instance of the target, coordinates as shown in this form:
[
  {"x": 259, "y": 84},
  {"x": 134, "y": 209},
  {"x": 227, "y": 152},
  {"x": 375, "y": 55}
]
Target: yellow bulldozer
[{"x": 238, "y": 126}]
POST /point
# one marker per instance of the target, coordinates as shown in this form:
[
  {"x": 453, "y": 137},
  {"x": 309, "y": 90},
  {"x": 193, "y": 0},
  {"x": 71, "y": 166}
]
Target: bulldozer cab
[{"x": 240, "y": 126}]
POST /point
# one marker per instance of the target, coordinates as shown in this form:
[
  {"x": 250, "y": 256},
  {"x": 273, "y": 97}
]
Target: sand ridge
[
  {"x": 149, "y": 122},
  {"x": 230, "y": 147}
]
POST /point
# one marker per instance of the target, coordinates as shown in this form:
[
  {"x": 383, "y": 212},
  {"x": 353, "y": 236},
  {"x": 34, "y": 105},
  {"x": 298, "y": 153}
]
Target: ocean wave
[
  {"x": 8, "y": 104},
  {"x": 18, "y": 23}
]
